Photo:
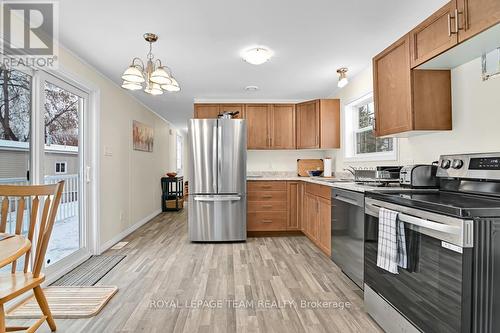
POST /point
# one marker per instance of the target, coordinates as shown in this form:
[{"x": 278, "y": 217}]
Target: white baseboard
[{"x": 128, "y": 231}]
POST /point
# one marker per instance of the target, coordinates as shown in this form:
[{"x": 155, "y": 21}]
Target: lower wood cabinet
[
  {"x": 294, "y": 205},
  {"x": 317, "y": 216},
  {"x": 291, "y": 206},
  {"x": 267, "y": 204}
]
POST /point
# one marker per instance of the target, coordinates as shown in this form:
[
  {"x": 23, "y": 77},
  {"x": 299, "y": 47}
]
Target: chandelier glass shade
[{"x": 151, "y": 76}]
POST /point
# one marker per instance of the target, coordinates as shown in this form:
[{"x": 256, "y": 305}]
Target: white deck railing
[{"x": 67, "y": 209}]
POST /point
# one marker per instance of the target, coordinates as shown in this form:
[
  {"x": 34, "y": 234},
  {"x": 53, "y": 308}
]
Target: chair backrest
[{"x": 50, "y": 196}]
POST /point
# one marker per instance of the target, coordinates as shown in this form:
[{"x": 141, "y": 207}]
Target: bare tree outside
[
  {"x": 15, "y": 105},
  {"x": 60, "y": 116}
]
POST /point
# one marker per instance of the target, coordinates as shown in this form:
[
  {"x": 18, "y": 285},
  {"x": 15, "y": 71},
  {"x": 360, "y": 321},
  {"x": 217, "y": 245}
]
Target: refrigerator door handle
[
  {"x": 217, "y": 198},
  {"x": 215, "y": 161},
  {"x": 219, "y": 156}
]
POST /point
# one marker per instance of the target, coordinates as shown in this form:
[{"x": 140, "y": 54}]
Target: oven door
[{"x": 434, "y": 292}]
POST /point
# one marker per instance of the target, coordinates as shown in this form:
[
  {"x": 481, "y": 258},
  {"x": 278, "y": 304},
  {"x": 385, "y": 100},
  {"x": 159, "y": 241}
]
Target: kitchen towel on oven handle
[{"x": 391, "y": 251}]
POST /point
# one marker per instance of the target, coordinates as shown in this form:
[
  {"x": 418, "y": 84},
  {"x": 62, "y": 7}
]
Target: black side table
[{"x": 172, "y": 198}]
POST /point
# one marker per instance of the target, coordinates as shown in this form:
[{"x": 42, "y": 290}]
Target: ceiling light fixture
[
  {"x": 343, "y": 81},
  {"x": 153, "y": 74},
  {"x": 257, "y": 55}
]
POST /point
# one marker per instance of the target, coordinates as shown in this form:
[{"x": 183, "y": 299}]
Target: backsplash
[{"x": 280, "y": 160}]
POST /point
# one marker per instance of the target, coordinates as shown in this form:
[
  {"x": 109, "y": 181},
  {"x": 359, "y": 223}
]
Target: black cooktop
[{"x": 443, "y": 202}]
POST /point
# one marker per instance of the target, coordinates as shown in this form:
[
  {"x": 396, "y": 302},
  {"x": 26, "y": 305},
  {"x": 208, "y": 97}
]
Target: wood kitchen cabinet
[
  {"x": 206, "y": 111},
  {"x": 267, "y": 204},
  {"x": 325, "y": 225},
  {"x": 232, "y": 108},
  {"x": 475, "y": 16},
  {"x": 282, "y": 126},
  {"x": 434, "y": 35},
  {"x": 318, "y": 124},
  {"x": 316, "y": 223},
  {"x": 270, "y": 126},
  {"x": 453, "y": 23},
  {"x": 258, "y": 129},
  {"x": 310, "y": 223},
  {"x": 212, "y": 111},
  {"x": 295, "y": 192},
  {"x": 409, "y": 100}
]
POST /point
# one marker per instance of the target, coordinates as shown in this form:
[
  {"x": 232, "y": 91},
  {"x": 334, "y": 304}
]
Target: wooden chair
[{"x": 14, "y": 284}]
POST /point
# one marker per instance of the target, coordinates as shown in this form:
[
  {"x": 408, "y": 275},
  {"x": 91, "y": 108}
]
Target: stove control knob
[
  {"x": 457, "y": 164},
  {"x": 445, "y": 164}
]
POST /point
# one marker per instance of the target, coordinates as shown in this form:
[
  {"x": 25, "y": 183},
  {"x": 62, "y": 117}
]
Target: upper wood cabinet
[
  {"x": 212, "y": 111},
  {"x": 258, "y": 135},
  {"x": 308, "y": 125},
  {"x": 476, "y": 16},
  {"x": 318, "y": 124},
  {"x": 282, "y": 126},
  {"x": 409, "y": 100},
  {"x": 206, "y": 111},
  {"x": 452, "y": 24},
  {"x": 270, "y": 126},
  {"x": 232, "y": 108},
  {"x": 275, "y": 126},
  {"x": 434, "y": 36}
]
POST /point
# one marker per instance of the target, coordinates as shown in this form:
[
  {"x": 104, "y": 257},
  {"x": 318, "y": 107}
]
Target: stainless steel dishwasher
[{"x": 348, "y": 216}]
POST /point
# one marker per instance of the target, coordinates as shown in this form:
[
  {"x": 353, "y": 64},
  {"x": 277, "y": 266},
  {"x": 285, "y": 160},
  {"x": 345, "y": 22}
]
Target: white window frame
[
  {"x": 61, "y": 163},
  {"x": 350, "y": 131}
]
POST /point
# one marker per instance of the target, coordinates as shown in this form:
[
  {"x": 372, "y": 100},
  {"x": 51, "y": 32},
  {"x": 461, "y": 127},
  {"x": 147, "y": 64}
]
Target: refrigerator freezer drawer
[{"x": 217, "y": 218}]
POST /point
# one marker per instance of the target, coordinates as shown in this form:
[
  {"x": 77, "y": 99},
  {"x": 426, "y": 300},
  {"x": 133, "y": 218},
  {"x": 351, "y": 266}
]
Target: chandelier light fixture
[{"x": 152, "y": 76}]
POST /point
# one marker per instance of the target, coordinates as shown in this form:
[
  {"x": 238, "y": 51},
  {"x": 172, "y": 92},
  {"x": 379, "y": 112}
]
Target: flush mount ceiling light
[
  {"x": 153, "y": 74},
  {"x": 257, "y": 55},
  {"x": 251, "y": 88},
  {"x": 343, "y": 81}
]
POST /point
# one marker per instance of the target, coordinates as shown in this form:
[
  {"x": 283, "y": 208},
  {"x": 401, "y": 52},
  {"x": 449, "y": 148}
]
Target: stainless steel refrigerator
[{"x": 217, "y": 180}]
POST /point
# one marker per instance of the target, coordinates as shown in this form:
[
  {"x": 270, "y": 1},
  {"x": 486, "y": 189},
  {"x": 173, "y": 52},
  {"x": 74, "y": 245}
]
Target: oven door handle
[{"x": 449, "y": 229}]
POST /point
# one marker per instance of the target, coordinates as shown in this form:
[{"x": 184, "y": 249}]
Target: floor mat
[
  {"x": 89, "y": 272},
  {"x": 66, "y": 303}
]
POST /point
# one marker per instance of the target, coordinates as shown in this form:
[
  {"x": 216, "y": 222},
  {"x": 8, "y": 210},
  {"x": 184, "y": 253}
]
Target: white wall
[
  {"x": 129, "y": 180},
  {"x": 280, "y": 160},
  {"x": 476, "y": 116}
]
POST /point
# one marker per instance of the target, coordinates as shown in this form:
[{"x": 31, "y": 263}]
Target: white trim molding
[{"x": 128, "y": 231}]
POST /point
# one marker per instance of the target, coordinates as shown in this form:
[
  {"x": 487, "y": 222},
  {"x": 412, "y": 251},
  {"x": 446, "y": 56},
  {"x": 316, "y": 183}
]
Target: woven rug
[
  {"x": 90, "y": 271},
  {"x": 66, "y": 303}
]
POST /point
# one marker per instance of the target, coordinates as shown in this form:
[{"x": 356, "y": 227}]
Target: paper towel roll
[{"x": 327, "y": 167}]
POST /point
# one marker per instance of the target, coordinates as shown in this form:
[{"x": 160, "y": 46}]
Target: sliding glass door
[{"x": 42, "y": 131}]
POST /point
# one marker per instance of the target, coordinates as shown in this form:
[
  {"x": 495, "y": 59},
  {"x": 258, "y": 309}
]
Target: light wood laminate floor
[{"x": 167, "y": 284}]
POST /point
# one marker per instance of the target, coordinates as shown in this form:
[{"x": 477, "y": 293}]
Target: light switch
[{"x": 108, "y": 151}]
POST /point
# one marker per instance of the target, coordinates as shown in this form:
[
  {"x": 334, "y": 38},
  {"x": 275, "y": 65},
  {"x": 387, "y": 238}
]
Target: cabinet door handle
[
  {"x": 267, "y": 221},
  {"x": 449, "y": 25},
  {"x": 266, "y": 186},
  {"x": 457, "y": 25},
  {"x": 267, "y": 196}
]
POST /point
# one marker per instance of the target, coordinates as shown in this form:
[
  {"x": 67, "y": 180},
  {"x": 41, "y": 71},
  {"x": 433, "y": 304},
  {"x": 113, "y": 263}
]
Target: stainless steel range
[
  {"x": 452, "y": 279},
  {"x": 217, "y": 185}
]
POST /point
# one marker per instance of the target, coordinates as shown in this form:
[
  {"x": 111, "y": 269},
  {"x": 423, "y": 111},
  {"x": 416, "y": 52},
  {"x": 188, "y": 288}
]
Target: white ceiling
[{"x": 201, "y": 41}]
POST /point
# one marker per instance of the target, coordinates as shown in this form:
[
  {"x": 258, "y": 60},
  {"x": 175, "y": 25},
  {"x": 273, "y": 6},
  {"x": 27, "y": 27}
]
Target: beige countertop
[{"x": 332, "y": 182}]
